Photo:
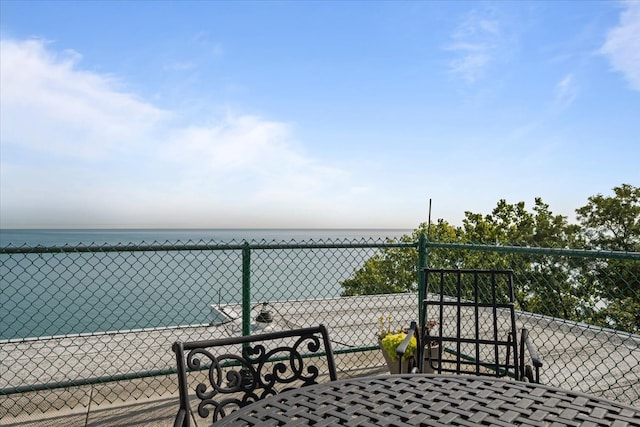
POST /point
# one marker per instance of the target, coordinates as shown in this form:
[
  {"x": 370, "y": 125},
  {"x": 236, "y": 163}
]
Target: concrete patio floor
[
  {"x": 158, "y": 412},
  {"x": 575, "y": 356}
]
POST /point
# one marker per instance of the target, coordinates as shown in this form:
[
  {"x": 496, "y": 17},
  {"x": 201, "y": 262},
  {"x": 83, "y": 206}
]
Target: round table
[{"x": 416, "y": 399}]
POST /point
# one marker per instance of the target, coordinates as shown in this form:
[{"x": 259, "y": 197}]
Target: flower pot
[
  {"x": 430, "y": 359},
  {"x": 393, "y": 364}
]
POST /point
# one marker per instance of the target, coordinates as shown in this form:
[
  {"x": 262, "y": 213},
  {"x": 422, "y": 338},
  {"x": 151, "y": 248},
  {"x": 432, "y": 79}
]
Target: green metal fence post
[
  {"x": 246, "y": 289},
  {"x": 422, "y": 263}
]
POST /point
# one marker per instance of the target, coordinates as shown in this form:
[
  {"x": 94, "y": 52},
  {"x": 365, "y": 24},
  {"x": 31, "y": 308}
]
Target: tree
[
  {"x": 613, "y": 223},
  {"x": 544, "y": 283},
  {"x": 603, "y": 291},
  {"x": 394, "y": 270}
]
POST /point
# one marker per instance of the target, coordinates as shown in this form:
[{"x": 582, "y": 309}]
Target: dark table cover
[{"x": 459, "y": 400}]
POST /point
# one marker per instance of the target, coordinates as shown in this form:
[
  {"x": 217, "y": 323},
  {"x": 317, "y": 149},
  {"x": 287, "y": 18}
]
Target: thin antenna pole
[{"x": 429, "y": 223}]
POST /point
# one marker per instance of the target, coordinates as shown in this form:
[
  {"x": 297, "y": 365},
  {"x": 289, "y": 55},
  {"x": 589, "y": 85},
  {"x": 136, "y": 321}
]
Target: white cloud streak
[
  {"x": 566, "y": 91},
  {"x": 49, "y": 105},
  {"x": 622, "y": 45},
  {"x": 475, "y": 43},
  {"x": 79, "y": 151}
]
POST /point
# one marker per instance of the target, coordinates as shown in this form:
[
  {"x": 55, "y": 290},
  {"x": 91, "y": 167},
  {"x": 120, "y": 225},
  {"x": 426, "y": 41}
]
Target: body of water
[{"x": 52, "y": 294}]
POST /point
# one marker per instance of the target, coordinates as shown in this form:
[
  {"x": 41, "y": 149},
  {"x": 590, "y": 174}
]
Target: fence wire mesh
[{"x": 96, "y": 323}]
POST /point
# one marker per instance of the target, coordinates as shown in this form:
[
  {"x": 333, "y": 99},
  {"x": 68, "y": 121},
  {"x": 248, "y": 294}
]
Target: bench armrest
[
  {"x": 525, "y": 341},
  {"x": 402, "y": 348}
]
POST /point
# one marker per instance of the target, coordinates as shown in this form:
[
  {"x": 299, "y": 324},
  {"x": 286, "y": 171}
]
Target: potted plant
[{"x": 389, "y": 340}]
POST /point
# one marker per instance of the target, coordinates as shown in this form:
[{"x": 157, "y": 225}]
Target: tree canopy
[{"x": 600, "y": 290}]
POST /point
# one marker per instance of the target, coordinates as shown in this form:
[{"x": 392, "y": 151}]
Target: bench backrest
[{"x": 229, "y": 373}]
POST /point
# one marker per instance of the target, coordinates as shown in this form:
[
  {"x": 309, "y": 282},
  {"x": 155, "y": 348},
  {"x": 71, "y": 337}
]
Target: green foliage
[
  {"x": 387, "y": 272},
  {"x": 613, "y": 223},
  {"x": 600, "y": 291},
  {"x": 391, "y": 341},
  {"x": 395, "y": 270}
]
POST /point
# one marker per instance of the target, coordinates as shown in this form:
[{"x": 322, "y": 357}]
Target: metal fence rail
[{"x": 96, "y": 323}]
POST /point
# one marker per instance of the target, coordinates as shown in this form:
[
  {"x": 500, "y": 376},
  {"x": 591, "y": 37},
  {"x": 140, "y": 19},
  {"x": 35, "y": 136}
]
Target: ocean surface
[{"x": 53, "y": 294}]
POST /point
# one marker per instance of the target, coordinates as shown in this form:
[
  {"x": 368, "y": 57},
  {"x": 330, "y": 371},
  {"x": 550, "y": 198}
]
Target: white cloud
[
  {"x": 48, "y": 104},
  {"x": 233, "y": 143},
  {"x": 77, "y": 150},
  {"x": 622, "y": 45},
  {"x": 257, "y": 156},
  {"x": 566, "y": 91},
  {"x": 475, "y": 42}
]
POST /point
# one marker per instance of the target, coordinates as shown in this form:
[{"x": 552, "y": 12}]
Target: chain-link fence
[{"x": 96, "y": 323}]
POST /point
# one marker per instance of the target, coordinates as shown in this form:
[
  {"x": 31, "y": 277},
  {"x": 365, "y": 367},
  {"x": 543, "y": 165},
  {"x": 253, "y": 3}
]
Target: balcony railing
[{"x": 97, "y": 322}]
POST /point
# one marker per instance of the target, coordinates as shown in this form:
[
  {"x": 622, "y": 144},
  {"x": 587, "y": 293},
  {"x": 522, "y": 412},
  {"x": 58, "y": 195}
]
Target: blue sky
[{"x": 311, "y": 113}]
